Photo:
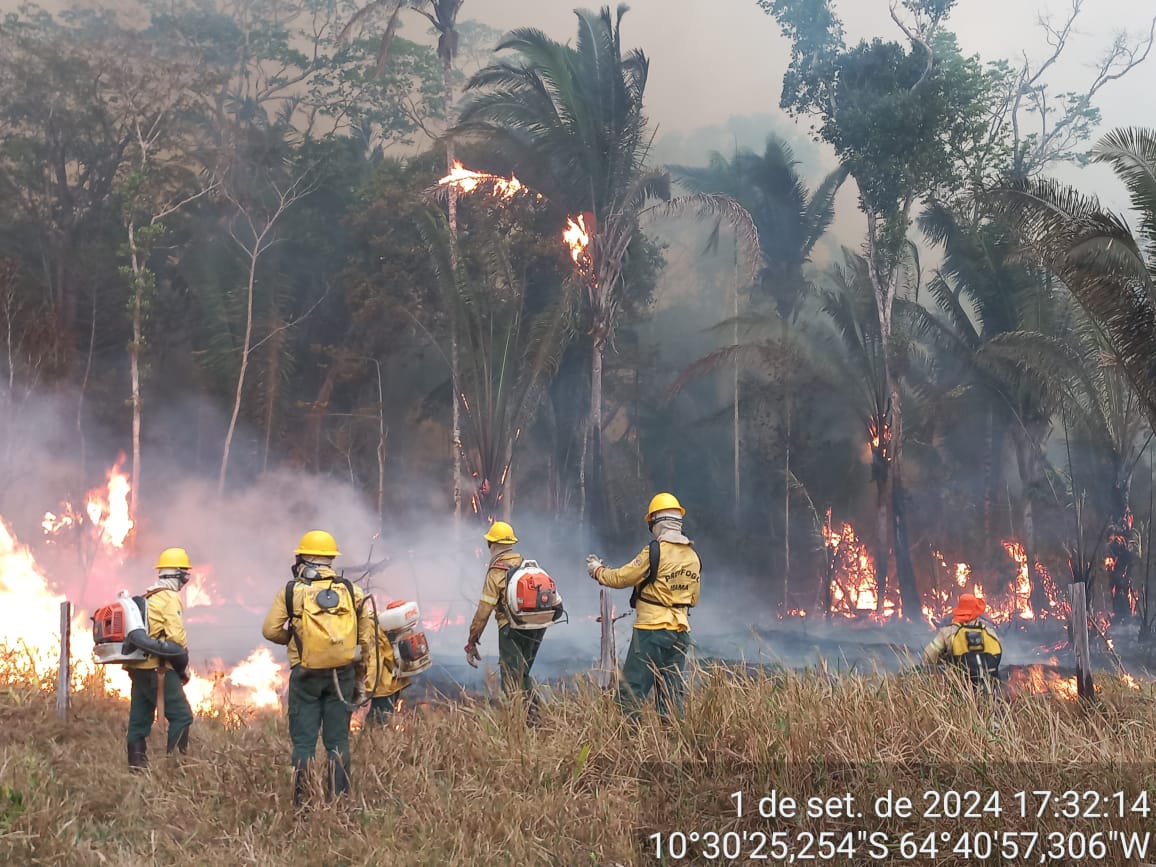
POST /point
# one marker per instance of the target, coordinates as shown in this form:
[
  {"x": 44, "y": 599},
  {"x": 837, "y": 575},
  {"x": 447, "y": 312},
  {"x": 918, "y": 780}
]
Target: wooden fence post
[
  {"x": 64, "y": 674},
  {"x": 1085, "y": 689}
]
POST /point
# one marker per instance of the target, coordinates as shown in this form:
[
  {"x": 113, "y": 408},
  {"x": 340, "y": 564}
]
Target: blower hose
[
  {"x": 354, "y": 706},
  {"x": 170, "y": 651}
]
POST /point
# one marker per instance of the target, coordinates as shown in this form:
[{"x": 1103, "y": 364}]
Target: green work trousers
[
  {"x": 656, "y": 660},
  {"x": 142, "y": 707},
  {"x": 381, "y": 709},
  {"x": 517, "y": 649},
  {"x": 315, "y": 708}
]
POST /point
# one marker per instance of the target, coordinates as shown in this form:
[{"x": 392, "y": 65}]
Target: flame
[
  {"x": 30, "y": 611},
  {"x": 854, "y": 587},
  {"x": 467, "y": 180},
  {"x": 1041, "y": 680},
  {"x": 110, "y": 513},
  {"x": 579, "y": 230},
  {"x": 436, "y": 617}
]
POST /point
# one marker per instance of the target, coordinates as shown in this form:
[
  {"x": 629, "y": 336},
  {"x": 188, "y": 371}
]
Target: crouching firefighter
[
  {"x": 970, "y": 643},
  {"x": 166, "y": 652},
  {"x": 665, "y": 577},
  {"x": 321, "y": 617},
  {"x": 520, "y": 633}
]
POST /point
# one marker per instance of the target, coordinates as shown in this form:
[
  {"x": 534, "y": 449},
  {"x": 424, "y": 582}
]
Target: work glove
[
  {"x": 185, "y": 675},
  {"x": 359, "y": 695},
  {"x": 472, "y": 655},
  {"x": 593, "y": 564}
]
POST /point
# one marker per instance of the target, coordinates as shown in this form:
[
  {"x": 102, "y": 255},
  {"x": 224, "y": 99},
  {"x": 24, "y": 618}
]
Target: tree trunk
[
  {"x": 883, "y": 505},
  {"x": 596, "y": 491},
  {"x": 1120, "y": 547},
  {"x": 318, "y": 412},
  {"x": 246, "y": 343},
  {"x": 904, "y": 572},
  {"x": 456, "y": 433},
  {"x": 134, "y": 367},
  {"x": 786, "y": 514},
  {"x": 1029, "y": 459}
]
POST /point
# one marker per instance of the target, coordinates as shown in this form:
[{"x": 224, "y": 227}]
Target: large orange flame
[
  {"x": 467, "y": 180},
  {"x": 30, "y": 612}
]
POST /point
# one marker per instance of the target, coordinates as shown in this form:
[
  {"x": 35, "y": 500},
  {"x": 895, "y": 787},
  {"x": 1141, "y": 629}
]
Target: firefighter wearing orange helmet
[
  {"x": 970, "y": 643},
  {"x": 665, "y": 577},
  {"x": 167, "y": 649},
  {"x": 322, "y": 619},
  {"x": 517, "y": 648}
]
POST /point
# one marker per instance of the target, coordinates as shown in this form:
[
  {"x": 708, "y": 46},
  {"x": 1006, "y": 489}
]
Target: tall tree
[
  {"x": 573, "y": 121},
  {"x": 933, "y": 99}
]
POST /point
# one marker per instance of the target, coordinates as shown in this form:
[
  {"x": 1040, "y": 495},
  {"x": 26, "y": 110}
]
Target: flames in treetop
[
  {"x": 577, "y": 236},
  {"x": 467, "y": 181}
]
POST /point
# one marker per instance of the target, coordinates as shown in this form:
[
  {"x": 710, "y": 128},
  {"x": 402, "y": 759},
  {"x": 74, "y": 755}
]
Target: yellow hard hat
[
  {"x": 317, "y": 543},
  {"x": 174, "y": 558},
  {"x": 502, "y": 533},
  {"x": 662, "y": 502}
]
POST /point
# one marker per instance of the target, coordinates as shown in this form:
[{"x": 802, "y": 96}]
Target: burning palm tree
[{"x": 573, "y": 118}]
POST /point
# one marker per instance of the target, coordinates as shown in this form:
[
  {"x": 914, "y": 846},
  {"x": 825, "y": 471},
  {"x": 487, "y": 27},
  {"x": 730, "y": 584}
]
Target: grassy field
[{"x": 466, "y": 783}]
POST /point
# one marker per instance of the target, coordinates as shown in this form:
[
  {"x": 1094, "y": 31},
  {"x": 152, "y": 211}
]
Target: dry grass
[{"x": 468, "y": 784}]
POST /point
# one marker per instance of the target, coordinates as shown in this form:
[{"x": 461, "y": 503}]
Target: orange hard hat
[{"x": 968, "y": 608}]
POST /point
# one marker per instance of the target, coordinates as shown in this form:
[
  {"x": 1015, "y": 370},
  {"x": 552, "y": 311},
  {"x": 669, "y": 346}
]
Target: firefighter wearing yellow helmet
[
  {"x": 665, "y": 581},
  {"x": 517, "y": 648},
  {"x": 167, "y": 649},
  {"x": 322, "y": 619}
]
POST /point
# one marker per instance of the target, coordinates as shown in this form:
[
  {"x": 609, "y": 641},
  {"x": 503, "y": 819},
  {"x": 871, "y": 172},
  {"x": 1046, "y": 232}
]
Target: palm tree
[
  {"x": 1109, "y": 269},
  {"x": 790, "y": 220},
  {"x": 508, "y": 351},
  {"x": 572, "y": 120},
  {"x": 983, "y": 296}
]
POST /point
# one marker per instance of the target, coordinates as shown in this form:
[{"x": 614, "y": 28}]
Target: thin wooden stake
[
  {"x": 64, "y": 674},
  {"x": 608, "y": 656},
  {"x": 1085, "y": 689}
]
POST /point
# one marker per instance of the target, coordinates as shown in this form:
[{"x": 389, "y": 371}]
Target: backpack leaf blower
[
  {"x": 120, "y": 634},
  {"x": 410, "y": 648}
]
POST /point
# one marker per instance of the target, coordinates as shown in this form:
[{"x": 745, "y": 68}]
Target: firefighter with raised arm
[
  {"x": 167, "y": 652},
  {"x": 321, "y": 618},
  {"x": 665, "y": 580},
  {"x": 970, "y": 643},
  {"x": 520, "y": 633}
]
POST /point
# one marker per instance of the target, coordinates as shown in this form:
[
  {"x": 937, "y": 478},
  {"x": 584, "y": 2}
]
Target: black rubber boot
[
  {"x": 180, "y": 742},
  {"x": 300, "y": 786},
  {"x": 138, "y": 756},
  {"x": 337, "y": 780}
]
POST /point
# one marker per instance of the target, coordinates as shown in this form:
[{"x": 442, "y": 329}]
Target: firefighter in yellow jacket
[
  {"x": 321, "y": 617},
  {"x": 517, "y": 648},
  {"x": 168, "y": 652},
  {"x": 665, "y": 577},
  {"x": 969, "y": 643},
  {"x": 381, "y": 685}
]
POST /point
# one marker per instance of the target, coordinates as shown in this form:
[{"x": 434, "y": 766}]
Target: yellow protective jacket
[
  {"x": 166, "y": 621},
  {"x": 677, "y": 584},
  {"x": 942, "y": 647},
  {"x": 383, "y": 684},
  {"x": 493, "y": 594},
  {"x": 274, "y": 626}
]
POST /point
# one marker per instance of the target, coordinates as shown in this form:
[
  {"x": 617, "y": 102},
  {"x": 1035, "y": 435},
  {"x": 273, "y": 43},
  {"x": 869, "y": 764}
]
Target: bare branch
[{"x": 918, "y": 38}]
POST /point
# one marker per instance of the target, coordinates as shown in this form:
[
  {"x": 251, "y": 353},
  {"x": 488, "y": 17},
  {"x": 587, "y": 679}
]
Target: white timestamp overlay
[
  {"x": 857, "y": 847},
  {"x": 770, "y": 828}
]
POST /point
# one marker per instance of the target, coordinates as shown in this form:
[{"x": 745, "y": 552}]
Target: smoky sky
[{"x": 711, "y": 60}]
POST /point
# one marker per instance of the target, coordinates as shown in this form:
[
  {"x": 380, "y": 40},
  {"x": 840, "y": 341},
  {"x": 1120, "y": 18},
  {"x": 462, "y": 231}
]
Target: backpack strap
[
  {"x": 655, "y": 550},
  {"x": 510, "y": 567},
  {"x": 289, "y": 612}
]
